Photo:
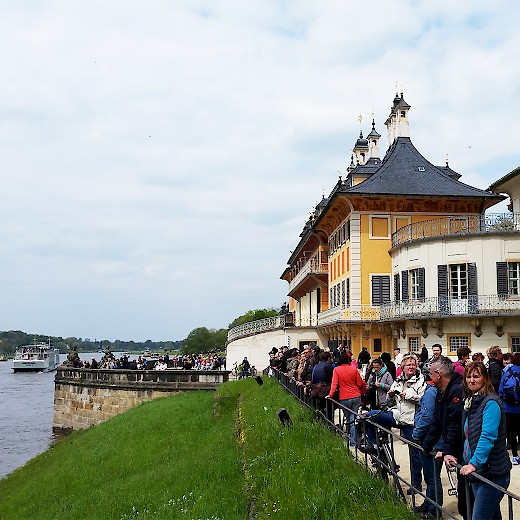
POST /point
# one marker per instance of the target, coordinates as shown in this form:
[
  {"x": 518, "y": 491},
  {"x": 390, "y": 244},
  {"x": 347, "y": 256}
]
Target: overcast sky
[{"x": 159, "y": 159}]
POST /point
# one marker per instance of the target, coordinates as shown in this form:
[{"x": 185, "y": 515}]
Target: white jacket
[{"x": 410, "y": 391}]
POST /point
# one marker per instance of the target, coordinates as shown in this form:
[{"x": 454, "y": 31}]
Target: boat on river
[{"x": 39, "y": 357}]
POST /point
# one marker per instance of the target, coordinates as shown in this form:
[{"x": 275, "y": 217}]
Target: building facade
[{"x": 402, "y": 253}]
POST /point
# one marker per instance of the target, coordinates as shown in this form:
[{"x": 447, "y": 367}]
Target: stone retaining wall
[{"x": 83, "y": 397}]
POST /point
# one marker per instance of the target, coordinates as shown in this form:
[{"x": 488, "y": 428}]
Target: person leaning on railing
[
  {"x": 485, "y": 442},
  {"x": 448, "y": 420},
  {"x": 407, "y": 389}
]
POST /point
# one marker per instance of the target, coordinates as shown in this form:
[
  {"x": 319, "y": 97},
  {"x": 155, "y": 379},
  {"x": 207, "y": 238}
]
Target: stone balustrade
[{"x": 84, "y": 397}]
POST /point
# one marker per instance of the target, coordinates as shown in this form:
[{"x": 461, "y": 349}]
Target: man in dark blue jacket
[{"x": 448, "y": 420}]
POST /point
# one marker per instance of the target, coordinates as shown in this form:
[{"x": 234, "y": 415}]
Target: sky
[{"x": 159, "y": 159}]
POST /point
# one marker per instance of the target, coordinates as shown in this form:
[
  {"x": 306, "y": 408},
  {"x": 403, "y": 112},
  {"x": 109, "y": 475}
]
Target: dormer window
[
  {"x": 421, "y": 169},
  {"x": 403, "y": 113}
]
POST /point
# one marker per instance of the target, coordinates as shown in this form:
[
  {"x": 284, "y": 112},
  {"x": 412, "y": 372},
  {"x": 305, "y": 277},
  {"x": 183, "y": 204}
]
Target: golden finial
[{"x": 360, "y": 119}]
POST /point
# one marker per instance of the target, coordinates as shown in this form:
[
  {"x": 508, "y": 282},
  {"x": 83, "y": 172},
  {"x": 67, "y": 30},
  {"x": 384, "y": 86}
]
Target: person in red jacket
[{"x": 351, "y": 386}]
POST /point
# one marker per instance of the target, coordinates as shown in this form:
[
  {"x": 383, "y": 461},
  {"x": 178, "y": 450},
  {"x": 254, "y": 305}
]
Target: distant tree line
[
  {"x": 13, "y": 339},
  {"x": 199, "y": 340}
]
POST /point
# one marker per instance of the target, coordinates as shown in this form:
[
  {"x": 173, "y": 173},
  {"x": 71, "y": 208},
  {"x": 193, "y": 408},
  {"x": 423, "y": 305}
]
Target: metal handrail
[
  {"x": 301, "y": 394},
  {"x": 458, "y": 224},
  {"x": 255, "y": 327}
]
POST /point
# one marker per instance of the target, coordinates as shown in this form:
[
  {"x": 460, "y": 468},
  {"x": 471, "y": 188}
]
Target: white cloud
[{"x": 158, "y": 160}]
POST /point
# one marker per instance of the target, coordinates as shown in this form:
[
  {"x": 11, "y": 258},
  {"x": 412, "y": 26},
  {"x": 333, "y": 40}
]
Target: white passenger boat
[{"x": 40, "y": 357}]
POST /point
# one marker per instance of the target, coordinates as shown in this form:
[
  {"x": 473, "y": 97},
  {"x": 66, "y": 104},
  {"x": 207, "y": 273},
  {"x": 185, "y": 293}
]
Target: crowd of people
[
  {"x": 185, "y": 362},
  {"x": 464, "y": 414}
]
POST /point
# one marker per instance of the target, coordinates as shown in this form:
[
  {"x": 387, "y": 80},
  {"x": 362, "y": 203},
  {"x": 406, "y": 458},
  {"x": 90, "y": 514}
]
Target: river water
[{"x": 26, "y": 409}]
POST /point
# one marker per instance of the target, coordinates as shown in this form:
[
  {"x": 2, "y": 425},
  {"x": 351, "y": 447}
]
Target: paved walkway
[{"x": 450, "y": 502}]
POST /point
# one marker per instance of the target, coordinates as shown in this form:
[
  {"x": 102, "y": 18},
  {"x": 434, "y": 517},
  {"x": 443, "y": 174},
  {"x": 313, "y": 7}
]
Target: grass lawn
[{"x": 200, "y": 455}]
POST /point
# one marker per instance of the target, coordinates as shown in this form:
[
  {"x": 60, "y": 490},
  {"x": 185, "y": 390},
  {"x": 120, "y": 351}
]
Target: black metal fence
[{"x": 382, "y": 461}]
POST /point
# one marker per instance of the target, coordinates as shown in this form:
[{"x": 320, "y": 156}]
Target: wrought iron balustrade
[
  {"x": 464, "y": 224},
  {"x": 492, "y": 305},
  {"x": 351, "y": 313},
  {"x": 255, "y": 327},
  {"x": 313, "y": 266}
]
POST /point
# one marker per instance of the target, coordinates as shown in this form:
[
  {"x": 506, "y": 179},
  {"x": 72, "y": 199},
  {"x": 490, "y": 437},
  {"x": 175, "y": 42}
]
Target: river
[
  {"x": 26, "y": 404},
  {"x": 26, "y": 409}
]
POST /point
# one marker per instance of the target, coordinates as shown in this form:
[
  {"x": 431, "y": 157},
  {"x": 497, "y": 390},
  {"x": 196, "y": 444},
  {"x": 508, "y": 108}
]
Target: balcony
[
  {"x": 256, "y": 327},
  {"x": 485, "y": 305},
  {"x": 354, "y": 313},
  {"x": 473, "y": 224},
  {"x": 313, "y": 274}
]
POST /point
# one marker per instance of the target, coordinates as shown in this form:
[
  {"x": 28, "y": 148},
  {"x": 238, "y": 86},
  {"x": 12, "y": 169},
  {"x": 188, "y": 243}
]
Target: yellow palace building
[{"x": 401, "y": 253}]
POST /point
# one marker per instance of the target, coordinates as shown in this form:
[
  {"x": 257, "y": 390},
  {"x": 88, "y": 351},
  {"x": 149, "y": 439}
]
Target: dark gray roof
[
  {"x": 370, "y": 167},
  {"x": 404, "y": 171}
]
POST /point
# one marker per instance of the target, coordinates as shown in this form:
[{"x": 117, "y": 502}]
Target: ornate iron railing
[
  {"x": 336, "y": 416},
  {"x": 313, "y": 266},
  {"x": 464, "y": 224},
  {"x": 255, "y": 327},
  {"x": 352, "y": 313},
  {"x": 493, "y": 304}
]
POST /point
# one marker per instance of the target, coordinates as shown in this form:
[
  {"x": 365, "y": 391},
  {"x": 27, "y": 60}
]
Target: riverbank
[{"x": 212, "y": 455}]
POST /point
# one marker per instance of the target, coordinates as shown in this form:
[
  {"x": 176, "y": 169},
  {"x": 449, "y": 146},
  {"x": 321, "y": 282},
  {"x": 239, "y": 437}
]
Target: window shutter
[
  {"x": 380, "y": 290},
  {"x": 385, "y": 289},
  {"x": 502, "y": 289},
  {"x": 442, "y": 288},
  {"x": 404, "y": 283},
  {"x": 397, "y": 288},
  {"x": 421, "y": 276},
  {"x": 472, "y": 279},
  {"x": 376, "y": 290},
  {"x": 348, "y": 292},
  {"x": 343, "y": 293},
  {"x": 472, "y": 288}
]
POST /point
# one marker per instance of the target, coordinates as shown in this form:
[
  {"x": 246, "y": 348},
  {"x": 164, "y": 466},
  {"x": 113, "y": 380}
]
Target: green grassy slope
[{"x": 200, "y": 455}]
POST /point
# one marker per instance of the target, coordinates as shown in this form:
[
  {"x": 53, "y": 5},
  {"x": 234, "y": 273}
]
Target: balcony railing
[
  {"x": 490, "y": 305},
  {"x": 353, "y": 313},
  {"x": 473, "y": 224},
  {"x": 313, "y": 266},
  {"x": 258, "y": 326}
]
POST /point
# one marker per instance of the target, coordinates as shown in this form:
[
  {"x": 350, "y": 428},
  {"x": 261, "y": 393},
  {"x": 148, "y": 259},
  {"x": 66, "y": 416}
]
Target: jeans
[
  {"x": 386, "y": 419},
  {"x": 487, "y": 499},
  {"x": 432, "y": 473},
  {"x": 351, "y": 404}
]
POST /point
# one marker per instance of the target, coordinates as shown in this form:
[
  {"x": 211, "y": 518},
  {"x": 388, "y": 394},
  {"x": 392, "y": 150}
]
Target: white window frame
[
  {"x": 513, "y": 278},
  {"x": 455, "y": 341}
]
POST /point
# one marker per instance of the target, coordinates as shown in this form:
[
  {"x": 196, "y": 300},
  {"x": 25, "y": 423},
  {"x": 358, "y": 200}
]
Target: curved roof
[{"x": 404, "y": 171}]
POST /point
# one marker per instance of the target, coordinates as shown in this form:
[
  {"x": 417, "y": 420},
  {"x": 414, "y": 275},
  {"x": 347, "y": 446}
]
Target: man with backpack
[{"x": 509, "y": 392}]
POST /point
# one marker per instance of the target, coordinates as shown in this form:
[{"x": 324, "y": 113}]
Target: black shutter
[
  {"x": 348, "y": 292},
  {"x": 502, "y": 286},
  {"x": 343, "y": 293},
  {"x": 442, "y": 288},
  {"x": 422, "y": 282},
  {"x": 376, "y": 290},
  {"x": 397, "y": 288},
  {"x": 385, "y": 289},
  {"x": 472, "y": 288},
  {"x": 404, "y": 284}
]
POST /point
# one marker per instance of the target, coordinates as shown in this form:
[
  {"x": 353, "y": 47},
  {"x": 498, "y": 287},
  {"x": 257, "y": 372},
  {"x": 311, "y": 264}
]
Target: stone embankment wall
[{"x": 83, "y": 397}]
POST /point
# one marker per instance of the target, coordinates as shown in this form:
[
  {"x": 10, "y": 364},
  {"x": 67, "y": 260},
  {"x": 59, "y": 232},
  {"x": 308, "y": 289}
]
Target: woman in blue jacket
[{"x": 485, "y": 450}]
